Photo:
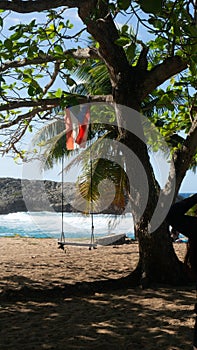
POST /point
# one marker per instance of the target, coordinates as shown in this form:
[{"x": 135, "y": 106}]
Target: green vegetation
[{"x": 147, "y": 63}]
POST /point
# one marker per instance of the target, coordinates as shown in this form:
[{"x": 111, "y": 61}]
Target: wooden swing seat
[{"x": 76, "y": 244}]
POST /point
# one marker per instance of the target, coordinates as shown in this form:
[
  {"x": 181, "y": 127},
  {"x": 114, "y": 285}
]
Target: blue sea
[{"x": 74, "y": 225}]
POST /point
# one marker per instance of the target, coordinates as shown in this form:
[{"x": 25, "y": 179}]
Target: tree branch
[
  {"x": 162, "y": 72},
  {"x": 37, "y": 5},
  {"x": 26, "y": 116},
  {"x": 53, "y": 102},
  {"x": 79, "y": 54},
  {"x": 53, "y": 77},
  {"x": 101, "y": 26},
  {"x": 49, "y": 103},
  {"x": 142, "y": 60},
  {"x": 15, "y": 139},
  {"x": 182, "y": 158}
]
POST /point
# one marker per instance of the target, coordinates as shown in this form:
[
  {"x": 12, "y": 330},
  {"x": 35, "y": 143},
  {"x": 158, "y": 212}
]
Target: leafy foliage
[
  {"x": 41, "y": 68},
  {"x": 47, "y": 64}
]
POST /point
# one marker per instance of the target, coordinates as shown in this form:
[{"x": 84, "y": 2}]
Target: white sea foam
[{"x": 49, "y": 224}]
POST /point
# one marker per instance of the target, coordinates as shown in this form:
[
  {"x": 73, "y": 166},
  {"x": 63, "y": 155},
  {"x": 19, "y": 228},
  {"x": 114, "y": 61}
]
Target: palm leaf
[
  {"x": 92, "y": 79},
  {"x": 104, "y": 172}
]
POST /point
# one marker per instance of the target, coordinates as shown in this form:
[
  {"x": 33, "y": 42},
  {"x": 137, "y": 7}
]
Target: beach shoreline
[{"x": 122, "y": 319}]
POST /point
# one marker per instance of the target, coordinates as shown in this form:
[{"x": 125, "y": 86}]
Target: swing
[
  {"x": 62, "y": 242},
  {"x": 107, "y": 240}
]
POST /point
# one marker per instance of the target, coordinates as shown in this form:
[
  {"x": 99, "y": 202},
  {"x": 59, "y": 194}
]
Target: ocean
[{"x": 75, "y": 225}]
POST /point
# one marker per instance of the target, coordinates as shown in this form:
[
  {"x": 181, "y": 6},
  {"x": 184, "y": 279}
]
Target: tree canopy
[
  {"x": 38, "y": 58},
  {"x": 144, "y": 53}
]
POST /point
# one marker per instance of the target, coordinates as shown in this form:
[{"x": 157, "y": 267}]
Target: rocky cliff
[{"x": 34, "y": 195}]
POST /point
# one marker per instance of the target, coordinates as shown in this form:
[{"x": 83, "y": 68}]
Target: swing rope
[
  {"x": 62, "y": 237},
  {"x": 91, "y": 193},
  {"x": 62, "y": 241},
  {"x": 62, "y": 198}
]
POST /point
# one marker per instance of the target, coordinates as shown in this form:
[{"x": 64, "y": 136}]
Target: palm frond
[
  {"x": 105, "y": 184},
  {"x": 48, "y": 132},
  {"x": 93, "y": 79}
]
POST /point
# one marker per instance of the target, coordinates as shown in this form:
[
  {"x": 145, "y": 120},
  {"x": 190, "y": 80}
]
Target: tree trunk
[
  {"x": 158, "y": 261},
  {"x": 130, "y": 85}
]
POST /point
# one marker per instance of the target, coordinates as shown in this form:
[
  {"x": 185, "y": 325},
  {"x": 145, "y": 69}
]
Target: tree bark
[
  {"x": 182, "y": 158},
  {"x": 157, "y": 259},
  {"x": 156, "y": 252},
  {"x": 22, "y": 6}
]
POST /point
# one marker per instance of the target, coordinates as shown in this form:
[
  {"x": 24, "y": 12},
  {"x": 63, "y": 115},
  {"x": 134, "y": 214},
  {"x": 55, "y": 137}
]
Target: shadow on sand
[{"x": 95, "y": 315}]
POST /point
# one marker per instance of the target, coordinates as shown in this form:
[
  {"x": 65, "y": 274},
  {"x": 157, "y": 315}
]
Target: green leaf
[
  {"x": 151, "y": 6},
  {"x": 124, "y": 29},
  {"x": 112, "y": 8},
  {"x": 70, "y": 81},
  {"x": 122, "y": 41},
  {"x": 193, "y": 68},
  {"x": 69, "y": 25},
  {"x": 165, "y": 101},
  {"x": 50, "y": 29},
  {"x": 1, "y": 78},
  {"x": 192, "y": 30},
  {"x": 124, "y": 4},
  {"x": 131, "y": 51},
  {"x": 194, "y": 56},
  {"x": 30, "y": 128},
  {"x": 8, "y": 44},
  {"x": 58, "y": 49},
  {"x": 157, "y": 23},
  {"x": 31, "y": 50},
  {"x": 58, "y": 93},
  {"x": 26, "y": 122},
  {"x": 31, "y": 90},
  {"x": 70, "y": 63},
  {"x": 17, "y": 35}
]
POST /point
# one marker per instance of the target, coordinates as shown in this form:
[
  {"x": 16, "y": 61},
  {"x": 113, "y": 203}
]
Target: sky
[{"x": 9, "y": 168}]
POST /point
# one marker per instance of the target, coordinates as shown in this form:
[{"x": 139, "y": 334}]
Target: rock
[{"x": 18, "y": 195}]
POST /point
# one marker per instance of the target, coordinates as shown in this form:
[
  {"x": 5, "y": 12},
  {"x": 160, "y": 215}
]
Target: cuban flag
[{"x": 77, "y": 127}]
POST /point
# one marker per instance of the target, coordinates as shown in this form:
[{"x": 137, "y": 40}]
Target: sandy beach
[{"x": 44, "y": 304}]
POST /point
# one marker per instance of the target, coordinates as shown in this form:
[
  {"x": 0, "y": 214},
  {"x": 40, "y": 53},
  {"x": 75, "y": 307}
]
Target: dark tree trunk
[
  {"x": 158, "y": 261},
  {"x": 130, "y": 85}
]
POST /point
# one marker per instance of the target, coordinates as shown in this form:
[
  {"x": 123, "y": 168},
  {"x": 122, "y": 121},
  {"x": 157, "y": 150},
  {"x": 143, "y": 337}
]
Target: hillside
[{"x": 18, "y": 195}]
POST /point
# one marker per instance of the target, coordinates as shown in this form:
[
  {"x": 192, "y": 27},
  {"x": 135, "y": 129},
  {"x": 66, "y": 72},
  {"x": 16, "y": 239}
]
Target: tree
[{"x": 33, "y": 53}]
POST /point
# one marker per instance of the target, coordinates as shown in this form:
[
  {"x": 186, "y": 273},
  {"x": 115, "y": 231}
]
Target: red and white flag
[{"x": 77, "y": 127}]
